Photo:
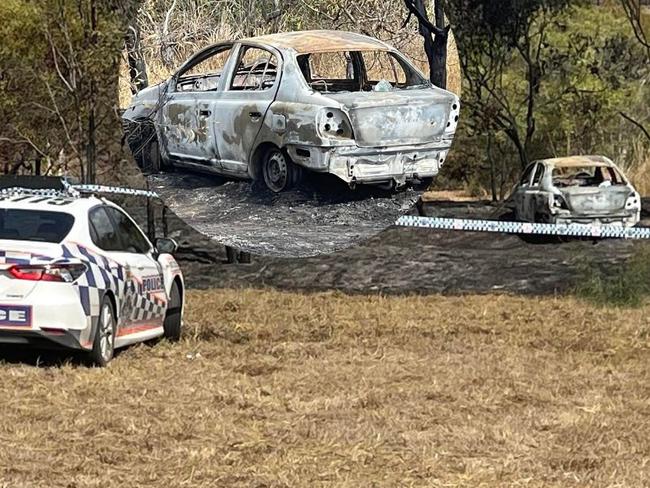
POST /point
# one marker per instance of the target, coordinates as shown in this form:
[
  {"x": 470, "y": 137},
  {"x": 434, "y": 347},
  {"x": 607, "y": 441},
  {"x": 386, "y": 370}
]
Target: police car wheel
[
  {"x": 104, "y": 341},
  {"x": 173, "y": 318}
]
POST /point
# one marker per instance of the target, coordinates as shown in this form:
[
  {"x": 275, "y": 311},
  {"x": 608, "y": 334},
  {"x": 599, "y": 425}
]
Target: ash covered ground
[
  {"x": 320, "y": 217},
  {"x": 406, "y": 260}
]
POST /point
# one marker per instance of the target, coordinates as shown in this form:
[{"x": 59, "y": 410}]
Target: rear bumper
[
  {"x": 355, "y": 164},
  {"x": 623, "y": 220},
  {"x": 51, "y": 315},
  {"x": 42, "y": 339}
]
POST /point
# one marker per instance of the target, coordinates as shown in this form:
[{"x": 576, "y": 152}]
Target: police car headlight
[{"x": 64, "y": 273}]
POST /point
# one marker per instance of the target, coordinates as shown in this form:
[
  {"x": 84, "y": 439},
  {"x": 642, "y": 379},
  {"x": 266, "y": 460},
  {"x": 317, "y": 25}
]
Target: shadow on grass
[{"x": 47, "y": 358}]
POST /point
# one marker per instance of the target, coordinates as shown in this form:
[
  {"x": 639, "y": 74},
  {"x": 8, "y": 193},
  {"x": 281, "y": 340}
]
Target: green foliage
[
  {"x": 59, "y": 85},
  {"x": 627, "y": 285},
  {"x": 553, "y": 83}
]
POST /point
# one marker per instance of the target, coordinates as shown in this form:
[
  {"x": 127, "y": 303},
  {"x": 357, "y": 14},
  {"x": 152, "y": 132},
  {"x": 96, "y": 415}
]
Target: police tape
[
  {"x": 28, "y": 192},
  {"x": 76, "y": 191},
  {"x": 502, "y": 227},
  {"x": 116, "y": 190}
]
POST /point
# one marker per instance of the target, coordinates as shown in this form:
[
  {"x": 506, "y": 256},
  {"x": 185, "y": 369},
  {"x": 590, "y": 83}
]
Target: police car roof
[{"x": 52, "y": 202}]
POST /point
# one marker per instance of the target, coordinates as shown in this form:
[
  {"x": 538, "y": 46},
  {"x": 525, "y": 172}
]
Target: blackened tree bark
[
  {"x": 440, "y": 43},
  {"x": 435, "y": 38},
  {"x": 91, "y": 39},
  {"x": 137, "y": 65}
]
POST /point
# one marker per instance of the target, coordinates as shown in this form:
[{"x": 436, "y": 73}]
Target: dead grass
[
  {"x": 448, "y": 195},
  {"x": 639, "y": 169},
  {"x": 283, "y": 390}
]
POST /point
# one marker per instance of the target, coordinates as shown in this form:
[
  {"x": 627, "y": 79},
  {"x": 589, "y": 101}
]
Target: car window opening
[
  {"x": 34, "y": 225},
  {"x": 205, "y": 75},
  {"x": 358, "y": 71},
  {"x": 257, "y": 70},
  {"x": 586, "y": 176}
]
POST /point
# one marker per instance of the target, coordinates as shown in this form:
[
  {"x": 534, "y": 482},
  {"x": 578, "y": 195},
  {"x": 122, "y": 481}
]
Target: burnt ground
[
  {"x": 320, "y": 217},
  {"x": 405, "y": 260}
]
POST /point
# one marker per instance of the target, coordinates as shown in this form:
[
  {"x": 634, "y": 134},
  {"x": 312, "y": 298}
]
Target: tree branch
[{"x": 638, "y": 124}]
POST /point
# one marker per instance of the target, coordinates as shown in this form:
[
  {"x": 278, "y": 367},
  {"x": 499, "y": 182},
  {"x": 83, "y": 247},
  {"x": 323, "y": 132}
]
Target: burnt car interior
[
  {"x": 586, "y": 176},
  {"x": 357, "y": 71},
  {"x": 257, "y": 69},
  {"x": 205, "y": 73}
]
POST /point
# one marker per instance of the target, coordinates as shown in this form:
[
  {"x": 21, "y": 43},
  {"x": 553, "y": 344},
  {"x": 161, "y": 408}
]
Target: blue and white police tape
[
  {"x": 114, "y": 190},
  {"x": 568, "y": 230},
  {"x": 75, "y": 191},
  {"x": 28, "y": 192}
]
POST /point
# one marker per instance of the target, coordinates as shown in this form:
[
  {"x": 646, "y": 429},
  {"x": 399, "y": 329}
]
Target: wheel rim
[
  {"x": 106, "y": 333},
  {"x": 276, "y": 171}
]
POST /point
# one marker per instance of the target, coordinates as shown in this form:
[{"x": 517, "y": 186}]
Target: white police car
[{"x": 77, "y": 272}]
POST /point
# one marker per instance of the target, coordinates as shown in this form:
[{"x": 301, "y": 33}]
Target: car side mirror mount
[{"x": 165, "y": 245}]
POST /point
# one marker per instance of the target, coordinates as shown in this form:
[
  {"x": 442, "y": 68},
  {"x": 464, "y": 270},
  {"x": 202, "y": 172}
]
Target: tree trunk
[
  {"x": 137, "y": 65},
  {"x": 493, "y": 179},
  {"x": 91, "y": 141},
  {"x": 435, "y": 39},
  {"x": 439, "y": 65}
]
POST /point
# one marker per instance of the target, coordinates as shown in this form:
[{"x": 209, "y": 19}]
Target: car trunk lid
[
  {"x": 406, "y": 117},
  {"x": 22, "y": 252},
  {"x": 597, "y": 201}
]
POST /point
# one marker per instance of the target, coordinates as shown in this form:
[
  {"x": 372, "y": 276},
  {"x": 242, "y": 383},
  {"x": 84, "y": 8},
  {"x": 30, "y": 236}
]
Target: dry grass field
[{"x": 273, "y": 389}]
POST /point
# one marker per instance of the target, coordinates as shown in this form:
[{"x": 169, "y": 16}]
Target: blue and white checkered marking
[
  {"x": 103, "y": 274},
  {"x": 76, "y": 191},
  {"x": 114, "y": 190},
  {"x": 568, "y": 230}
]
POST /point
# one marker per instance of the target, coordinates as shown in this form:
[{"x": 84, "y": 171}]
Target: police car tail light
[{"x": 64, "y": 273}]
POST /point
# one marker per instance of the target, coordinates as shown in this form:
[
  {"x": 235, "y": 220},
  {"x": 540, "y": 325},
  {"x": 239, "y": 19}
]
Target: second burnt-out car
[
  {"x": 576, "y": 190},
  {"x": 272, "y": 107}
]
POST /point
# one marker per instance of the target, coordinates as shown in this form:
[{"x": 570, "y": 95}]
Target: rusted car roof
[
  {"x": 316, "y": 41},
  {"x": 577, "y": 161}
]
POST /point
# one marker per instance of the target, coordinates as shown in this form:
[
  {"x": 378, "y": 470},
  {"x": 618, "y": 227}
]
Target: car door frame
[
  {"x": 521, "y": 190},
  {"x": 200, "y": 108},
  {"x": 236, "y": 139},
  {"x": 134, "y": 273},
  {"x": 534, "y": 198}
]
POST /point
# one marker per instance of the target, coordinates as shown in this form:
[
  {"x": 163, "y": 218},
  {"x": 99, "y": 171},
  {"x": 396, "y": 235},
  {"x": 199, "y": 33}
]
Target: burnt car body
[
  {"x": 271, "y": 107},
  {"x": 576, "y": 190}
]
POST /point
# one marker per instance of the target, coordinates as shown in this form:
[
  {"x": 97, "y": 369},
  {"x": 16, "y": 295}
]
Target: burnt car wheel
[
  {"x": 280, "y": 173},
  {"x": 144, "y": 145}
]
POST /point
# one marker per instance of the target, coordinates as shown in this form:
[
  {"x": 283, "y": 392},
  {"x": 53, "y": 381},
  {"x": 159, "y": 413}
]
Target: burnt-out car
[
  {"x": 576, "y": 190},
  {"x": 272, "y": 107}
]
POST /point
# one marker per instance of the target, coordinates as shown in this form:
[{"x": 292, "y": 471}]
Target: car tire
[
  {"x": 279, "y": 172},
  {"x": 541, "y": 218},
  {"x": 174, "y": 317},
  {"x": 104, "y": 340},
  {"x": 151, "y": 156},
  {"x": 424, "y": 184}
]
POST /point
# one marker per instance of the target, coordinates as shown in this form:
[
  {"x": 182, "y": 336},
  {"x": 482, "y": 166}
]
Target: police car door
[{"x": 143, "y": 304}]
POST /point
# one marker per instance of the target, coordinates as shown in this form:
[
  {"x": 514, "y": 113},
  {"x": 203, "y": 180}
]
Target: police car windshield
[{"x": 34, "y": 225}]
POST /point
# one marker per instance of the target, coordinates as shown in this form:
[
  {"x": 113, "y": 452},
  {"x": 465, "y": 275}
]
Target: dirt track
[
  {"x": 319, "y": 218},
  {"x": 404, "y": 260}
]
